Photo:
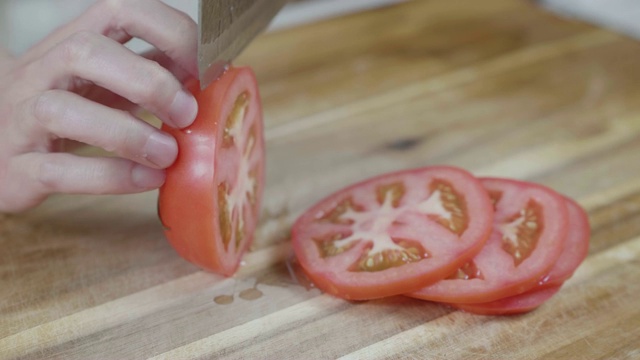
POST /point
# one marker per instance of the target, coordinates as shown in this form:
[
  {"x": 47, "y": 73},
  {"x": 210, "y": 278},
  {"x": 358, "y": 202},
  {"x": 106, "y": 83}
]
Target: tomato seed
[
  {"x": 334, "y": 216},
  {"x": 520, "y": 233},
  {"x": 453, "y": 203},
  {"x": 224, "y": 217},
  {"x": 395, "y": 191},
  {"x": 389, "y": 258},
  {"x": 467, "y": 272},
  {"x": 233, "y": 126},
  {"x": 327, "y": 248},
  {"x": 239, "y": 230}
]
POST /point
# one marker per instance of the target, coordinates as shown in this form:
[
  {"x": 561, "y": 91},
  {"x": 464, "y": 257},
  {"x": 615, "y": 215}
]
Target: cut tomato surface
[
  {"x": 210, "y": 202},
  {"x": 392, "y": 233},
  {"x": 529, "y": 231},
  {"x": 512, "y": 305},
  {"x": 575, "y": 250}
]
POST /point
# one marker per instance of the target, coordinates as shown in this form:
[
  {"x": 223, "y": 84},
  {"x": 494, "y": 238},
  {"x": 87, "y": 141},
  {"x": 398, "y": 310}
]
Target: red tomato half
[
  {"x": 393, "y": 233},
  {"x": 516, "y": 304},
  {"x": 530, "y": 227},
  {"x": 209, "y": 204}
]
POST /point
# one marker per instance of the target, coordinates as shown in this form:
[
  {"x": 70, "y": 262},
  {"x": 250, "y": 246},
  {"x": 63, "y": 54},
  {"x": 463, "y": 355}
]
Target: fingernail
[
  {"x": 147, "y": 178},
  {"x": 161, "y": 149},
  {"x": 183, "y": 109}
]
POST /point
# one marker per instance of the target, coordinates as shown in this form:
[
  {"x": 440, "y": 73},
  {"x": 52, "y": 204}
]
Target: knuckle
[
  {"x": 158, "y": 75},
  {"x": 26, "y": 196},
  {"x": 155, "y": 81},
  {"x": 45, "y": 108},
  {"x": 123, "y": 137},
  {"x": 126, "y": 140},
  {"x": 185, "y": 24},
  {"x": 48, "y": 176},
  {"x": 77, "y": 48}
]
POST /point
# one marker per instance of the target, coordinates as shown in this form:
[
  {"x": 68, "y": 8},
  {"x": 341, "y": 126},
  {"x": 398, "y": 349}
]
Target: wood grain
[{"x": 501, "y": 88}]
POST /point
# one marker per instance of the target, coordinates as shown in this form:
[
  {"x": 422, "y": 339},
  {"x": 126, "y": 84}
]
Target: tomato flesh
[
  {"x": 529, "y": 232},
  {"x": 394, "y": 232},
  {"x": 209, "y": 204}
]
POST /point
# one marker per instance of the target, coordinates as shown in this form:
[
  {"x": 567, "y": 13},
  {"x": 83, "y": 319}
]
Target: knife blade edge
[{"x": 216, "y": 55}]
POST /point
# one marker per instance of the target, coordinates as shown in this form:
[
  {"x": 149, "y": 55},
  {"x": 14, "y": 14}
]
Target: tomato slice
[
  {"x": 209, "y": 204},
  {"x": 512, "y": 305},
  {"x": 392, "y": 233},
  {"x": 575, "y": 249},
  {"x": 574, "y": 252},
  {"x": 530, "y": 228}
]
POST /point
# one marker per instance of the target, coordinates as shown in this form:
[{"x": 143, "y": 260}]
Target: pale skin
[{"x": 81, "y": 85}]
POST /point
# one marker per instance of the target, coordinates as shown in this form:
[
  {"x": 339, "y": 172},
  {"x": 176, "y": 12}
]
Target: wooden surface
[{"x": 498, "y": 87}]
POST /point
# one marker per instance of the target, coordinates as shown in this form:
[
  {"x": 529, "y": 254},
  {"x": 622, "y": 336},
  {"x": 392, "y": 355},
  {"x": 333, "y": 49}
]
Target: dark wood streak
[{"x": 404, "y": 144}]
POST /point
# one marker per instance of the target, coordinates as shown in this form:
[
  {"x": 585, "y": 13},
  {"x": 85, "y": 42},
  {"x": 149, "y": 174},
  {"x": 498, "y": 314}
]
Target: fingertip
[
  {"x": 183, "y": 109},
  {"x": 161, "y": 149},
  {"x": 147, "y": 178}
]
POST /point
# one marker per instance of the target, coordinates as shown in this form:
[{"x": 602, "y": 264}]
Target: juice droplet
[
  {"x": 297, "y": 274},
  {"x": 251, "y": 294},
  {"x": 223, "y": 299}
]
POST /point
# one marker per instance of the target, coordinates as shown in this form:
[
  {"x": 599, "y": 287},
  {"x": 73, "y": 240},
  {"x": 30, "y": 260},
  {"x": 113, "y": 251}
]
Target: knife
[{"x": 225, "y": 28}]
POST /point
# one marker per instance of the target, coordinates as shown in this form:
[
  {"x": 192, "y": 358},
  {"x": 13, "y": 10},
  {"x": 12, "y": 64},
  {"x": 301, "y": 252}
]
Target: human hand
[{"x": 81, "y": 83}]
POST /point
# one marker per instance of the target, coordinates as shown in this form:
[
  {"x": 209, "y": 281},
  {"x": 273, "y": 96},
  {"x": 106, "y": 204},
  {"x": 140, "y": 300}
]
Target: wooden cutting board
[{"x": 498, "y": 87}]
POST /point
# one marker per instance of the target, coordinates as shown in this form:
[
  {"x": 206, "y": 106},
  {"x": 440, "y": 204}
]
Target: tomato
[
  {"x": 575, "y": 249},
  {"x": 530, "y": 228},
  {"x": 516, "y": 304},
  {"x": 393, "y": 233},
  {"x": 209, "y": 204}
]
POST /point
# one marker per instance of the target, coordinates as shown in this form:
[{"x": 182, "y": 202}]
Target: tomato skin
[
  {"x": 575, "y": 250},
  {"x": 503, "y": 278},
  {"x": 187, "y": 203},
  {"x": 394, "y": 281},
  {"x": 513, "y": 305}
]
